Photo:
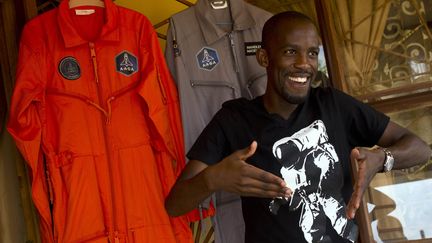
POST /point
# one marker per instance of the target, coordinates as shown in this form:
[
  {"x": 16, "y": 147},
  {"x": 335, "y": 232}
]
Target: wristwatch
[{"x": 388, "y": 160}]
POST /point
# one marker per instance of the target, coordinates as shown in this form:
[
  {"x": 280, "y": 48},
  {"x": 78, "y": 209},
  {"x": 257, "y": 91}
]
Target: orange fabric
[
  {"x": 195, "y": 214},
  {"x": 104, "y": 148}
]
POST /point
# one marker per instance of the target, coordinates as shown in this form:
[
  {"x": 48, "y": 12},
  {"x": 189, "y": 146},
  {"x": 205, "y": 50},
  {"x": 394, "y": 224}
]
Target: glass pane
[
  {"x": 399, "y": 202},
  {"x": 322, "y": 78},
  {"x": 406, "y": 45},
  {"x": 386, "y": 46}
]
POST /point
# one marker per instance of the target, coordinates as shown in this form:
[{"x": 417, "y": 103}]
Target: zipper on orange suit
[{"x": 113, "y": 234}]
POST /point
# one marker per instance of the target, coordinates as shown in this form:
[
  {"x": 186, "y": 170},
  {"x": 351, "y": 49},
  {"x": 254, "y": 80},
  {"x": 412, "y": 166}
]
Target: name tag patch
[
  {"x": 207, "y": 58},
  {"x": 251, "y": 48}
]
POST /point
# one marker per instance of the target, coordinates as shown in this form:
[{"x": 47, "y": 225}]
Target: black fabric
[{"x": 334, "y": 121}]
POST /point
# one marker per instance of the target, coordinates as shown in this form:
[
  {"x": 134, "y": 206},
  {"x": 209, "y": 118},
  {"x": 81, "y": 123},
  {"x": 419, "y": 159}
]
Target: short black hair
[{"x": 270, "y": 26}]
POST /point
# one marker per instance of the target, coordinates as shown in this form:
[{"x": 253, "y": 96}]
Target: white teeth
[{"x": 298, "y": 79}]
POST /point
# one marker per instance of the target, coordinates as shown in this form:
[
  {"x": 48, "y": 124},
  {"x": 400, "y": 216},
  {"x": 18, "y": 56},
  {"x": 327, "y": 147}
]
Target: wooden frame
[
  {"x": 330, "y": 43},
  {"x": 13, "y": 15}
]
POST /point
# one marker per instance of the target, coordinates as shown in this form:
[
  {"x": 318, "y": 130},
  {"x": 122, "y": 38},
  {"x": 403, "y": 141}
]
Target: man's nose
[{"x": 301, "y": 61}]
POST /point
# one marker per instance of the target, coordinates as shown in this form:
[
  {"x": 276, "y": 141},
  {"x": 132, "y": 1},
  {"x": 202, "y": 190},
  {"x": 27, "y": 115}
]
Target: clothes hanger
[
  {"x": 219, "y": 4},
  {"x": 222, "y": 4},
  {"x": 79, "y": 3}
]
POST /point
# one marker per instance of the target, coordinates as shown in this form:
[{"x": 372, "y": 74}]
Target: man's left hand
[{"x": 369, "y": 162}]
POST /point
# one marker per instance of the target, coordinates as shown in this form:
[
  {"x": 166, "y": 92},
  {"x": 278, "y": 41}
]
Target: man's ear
[{"x": 262, "y": 57}]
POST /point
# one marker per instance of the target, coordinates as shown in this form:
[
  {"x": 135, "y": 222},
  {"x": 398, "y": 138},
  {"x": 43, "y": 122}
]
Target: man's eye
[
  {"x": 290, "y": 52},
  {"x": 313, "y": 53}
]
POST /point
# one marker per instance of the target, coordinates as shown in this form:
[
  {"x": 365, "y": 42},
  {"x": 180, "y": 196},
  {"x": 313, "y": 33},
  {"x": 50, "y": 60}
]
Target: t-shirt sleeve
[
  {"x": 210, "y": 146},
  {"x": 364, "y": 124}
]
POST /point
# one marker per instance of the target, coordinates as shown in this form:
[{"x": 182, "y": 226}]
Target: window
[{"x": 385, "y": 48}]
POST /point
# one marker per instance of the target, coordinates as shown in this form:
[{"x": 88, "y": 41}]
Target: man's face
[{"x": 292, "y": 60}]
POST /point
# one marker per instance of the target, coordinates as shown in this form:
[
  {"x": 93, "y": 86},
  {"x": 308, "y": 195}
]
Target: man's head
[{"x": 290, "y": 55}]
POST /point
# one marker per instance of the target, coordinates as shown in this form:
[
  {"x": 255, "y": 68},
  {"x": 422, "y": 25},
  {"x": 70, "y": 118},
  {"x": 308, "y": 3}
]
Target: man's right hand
[{"x": 234, "y": 174}]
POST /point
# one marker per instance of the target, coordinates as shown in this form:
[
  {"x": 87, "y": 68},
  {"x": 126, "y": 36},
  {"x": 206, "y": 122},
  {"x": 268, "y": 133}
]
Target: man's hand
[
  {"x": 369, "y": 162},
  {"x": 234, "y": 174}
]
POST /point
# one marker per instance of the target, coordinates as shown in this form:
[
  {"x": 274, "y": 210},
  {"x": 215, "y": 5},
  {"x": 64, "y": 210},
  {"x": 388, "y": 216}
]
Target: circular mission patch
[{"x": 69, "y": 68}]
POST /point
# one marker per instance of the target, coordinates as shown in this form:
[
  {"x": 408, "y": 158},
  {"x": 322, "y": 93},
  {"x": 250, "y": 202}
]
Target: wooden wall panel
[{"x": 18, "y": 222}]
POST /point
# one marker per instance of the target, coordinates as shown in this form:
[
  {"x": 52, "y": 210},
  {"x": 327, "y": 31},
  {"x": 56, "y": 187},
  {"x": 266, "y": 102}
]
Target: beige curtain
[{"x": 360, "y": 24}]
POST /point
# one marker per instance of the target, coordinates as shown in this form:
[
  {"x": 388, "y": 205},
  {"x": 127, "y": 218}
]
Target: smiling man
[{"x": 288, "y": 152}]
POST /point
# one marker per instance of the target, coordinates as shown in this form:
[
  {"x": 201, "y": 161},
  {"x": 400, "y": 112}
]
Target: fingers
[
  {"x": 257, "y": 188},
  {"x": 355, "y": 200},
  {"x": 360, "y": 185},
  {"x": 253, "y": 181},
  {"x": 258, "y": 174},
  {"x": 248, "y": 151},
  {"x": 356, "y": 154},
  {"x": 254, "y": 172},
  {"x": 260, "y": 192},
  {"x": 254, "y": 177},
  {"x": 352, "y": 208}
]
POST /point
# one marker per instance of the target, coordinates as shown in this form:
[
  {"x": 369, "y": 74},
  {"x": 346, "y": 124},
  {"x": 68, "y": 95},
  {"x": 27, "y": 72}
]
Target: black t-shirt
[{"x": 310, "y": 150}]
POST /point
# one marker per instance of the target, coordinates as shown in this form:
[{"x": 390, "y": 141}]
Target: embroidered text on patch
[{"x": 251, "y": 48}]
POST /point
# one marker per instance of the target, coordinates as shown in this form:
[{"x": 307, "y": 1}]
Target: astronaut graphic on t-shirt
[{"x": 308, "y": 161}]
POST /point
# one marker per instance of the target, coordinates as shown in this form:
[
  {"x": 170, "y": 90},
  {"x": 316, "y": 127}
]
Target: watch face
[
  {"x": 389, "y": 161},
  {"x": 389, "y": 165}
]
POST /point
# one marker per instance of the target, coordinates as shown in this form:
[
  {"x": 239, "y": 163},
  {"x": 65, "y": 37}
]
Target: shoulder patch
[
  {"x": 69, "y": 68},
  {"x": 207, "y": 58},
  {"x": 126, "y": 63}
]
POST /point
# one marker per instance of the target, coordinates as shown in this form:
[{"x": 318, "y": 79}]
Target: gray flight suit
[{"x": 211, "y": 54}]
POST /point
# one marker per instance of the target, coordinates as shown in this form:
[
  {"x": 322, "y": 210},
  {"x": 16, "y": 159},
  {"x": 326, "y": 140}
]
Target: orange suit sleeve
[{"x": 158, "y": 90}]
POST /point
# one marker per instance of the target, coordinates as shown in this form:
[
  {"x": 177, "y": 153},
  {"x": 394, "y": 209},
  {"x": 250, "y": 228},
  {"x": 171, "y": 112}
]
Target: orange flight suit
[{"x": 95, "y": 114}]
